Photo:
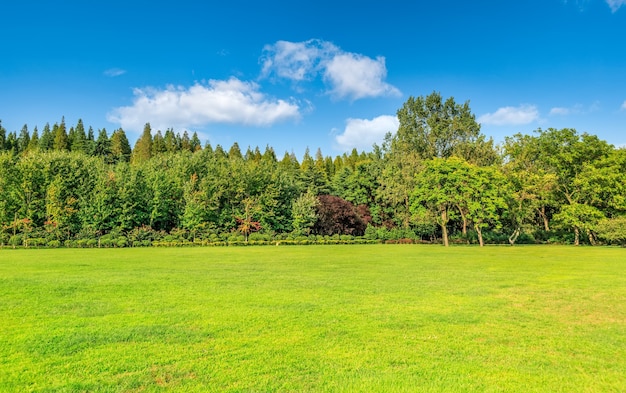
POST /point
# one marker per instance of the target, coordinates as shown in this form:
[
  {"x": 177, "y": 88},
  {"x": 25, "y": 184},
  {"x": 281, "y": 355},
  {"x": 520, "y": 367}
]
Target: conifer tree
[
  {"x": 120, "y": 148},
  {"x": 79, "y": 139},
  {"x": 47, "y": 139},
  {"x": 33, "y": 144},
  {"x": 23, "y": 140},
  {"x": 143, "y": 148},
  {"x": 61, "y": 141},
  {"x": 195, "y": 142}
]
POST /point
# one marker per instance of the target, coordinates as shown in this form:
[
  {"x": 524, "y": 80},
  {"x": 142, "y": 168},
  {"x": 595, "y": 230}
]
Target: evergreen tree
[
  {"x": 120, "y": 147},
  {"x": 47, "y": 139},
  {"x": 23, "y": 140},
  {"x": 195, "y": 143},
  {"x": 3, "y": 137},
  {"x": 143, "y": 148},
  {"x": 235, "y": 152},
  {"x": 90, "y": 143},
  {"x": 171, "y": 144},
  {"x": 158, "y": 144},
  {"x": 103, "y": 145},
  {"x": 61, "y": 141},
  {"x": 34, "y": 141},
  {"x": 185, "y": 142},
  {"x": 79, "y": 139}
]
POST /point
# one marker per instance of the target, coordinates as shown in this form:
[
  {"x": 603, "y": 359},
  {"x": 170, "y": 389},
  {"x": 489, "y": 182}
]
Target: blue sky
[{"x": 318, "y": 74}]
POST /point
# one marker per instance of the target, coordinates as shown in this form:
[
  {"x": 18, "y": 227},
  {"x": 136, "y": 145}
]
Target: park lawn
[{"x": 386, "y": 318}]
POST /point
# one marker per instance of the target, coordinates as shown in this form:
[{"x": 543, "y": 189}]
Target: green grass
[{"x": 314, "y": 318}]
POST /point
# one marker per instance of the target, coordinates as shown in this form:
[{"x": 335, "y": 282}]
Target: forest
[{"x": 435, "y": 179}]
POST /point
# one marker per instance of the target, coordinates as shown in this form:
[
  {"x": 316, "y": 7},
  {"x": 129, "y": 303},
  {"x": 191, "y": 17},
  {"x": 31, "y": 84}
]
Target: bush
[
  {"x": 15, "y": 240},
  {"x": 54, "y": 244}
]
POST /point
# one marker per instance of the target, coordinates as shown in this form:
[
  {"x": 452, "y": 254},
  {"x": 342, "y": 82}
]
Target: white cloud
[
  {"x": 577, "y": 109},
  {"x": 297, "y": 61},
  {"x": 113, "y": 72},
  {"x": 509, "y": 115},
  {"x": 349, "y": 75},
  {"x": 623, "y": 107},
  {"x": 560, "y": 111},
  {"x": 355, "y": 76},
  {"x": 363, "y": 133},
  {"x": 615, "y": 4},
  {"x": 232, "y": 101}
]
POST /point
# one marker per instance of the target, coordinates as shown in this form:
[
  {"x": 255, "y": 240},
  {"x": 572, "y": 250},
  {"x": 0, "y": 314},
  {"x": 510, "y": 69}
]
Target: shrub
[{"x": 54, "y": 244}]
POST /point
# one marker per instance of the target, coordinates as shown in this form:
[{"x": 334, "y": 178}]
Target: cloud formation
[
  {"x": 232, "y": 101},
  {"x": 623, "y": 107},
  {"x": 615, "y": 4},
  {"x": 348, "y": 75},
  {"x": 363, "y": 133},
  {"x": 560, "y": 111},
  {"x": 510, "y": 116},
  {"x": 113, "y": 72}
]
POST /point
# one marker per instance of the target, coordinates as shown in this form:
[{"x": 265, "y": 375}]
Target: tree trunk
[
  {"x": 444, "y": 229},
  {"x": 464, "y": 220},
  {"x": 514, "y": 236},
  {"x": 542, "y": 213},
  {"x": 479, "y": 232},
  {"x": 592, "y": 241},
  {"x": 576, "y": 236}
]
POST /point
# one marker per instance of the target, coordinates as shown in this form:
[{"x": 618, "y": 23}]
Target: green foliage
[
  {"x": 612, "y": 230},
  {"x": 436, "y": 170}
]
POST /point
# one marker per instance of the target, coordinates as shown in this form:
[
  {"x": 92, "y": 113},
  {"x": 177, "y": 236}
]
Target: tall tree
[
  {"x": 120, "y": 147},
  {"x": 47, "y": 139},
  {"x": 143, "y": 148},
  {"x": 103, "y": 145},
  {"x": 23, "y": 140},
  {"x": 434, "y": 128},
  {"x": 61, "y": 141}
]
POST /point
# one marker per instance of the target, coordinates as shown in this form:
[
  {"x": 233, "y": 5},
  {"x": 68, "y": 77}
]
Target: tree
[
  {"x": 337, "y": 216},
  {"x": 61, "y": 141},
  {"x": 47, "y": 139},
  {"x": 79, "y": 140},
  {"x": 581, "y": 218},
  {"x": 103, "y": 146},
  {"x": 143, "y": 148},
  {"x": 304, "y": 213},
  {"x": 485, "y": 199},
  {"x": 23, "y": 140},
  {"x": 120, "y": 148},
  {"x": 434, "y": 128},
  {"x": 612, "y": 230},
  {"x": 34, "y": 141},
  {"x": 436, "y": 192},
  {"x": 246, "y": 223}
]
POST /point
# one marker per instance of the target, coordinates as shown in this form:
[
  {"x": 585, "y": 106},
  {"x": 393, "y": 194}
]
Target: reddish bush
[{"x": 337, "y": 216}]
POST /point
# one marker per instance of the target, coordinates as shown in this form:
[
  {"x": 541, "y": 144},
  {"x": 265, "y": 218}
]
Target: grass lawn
[{"x": 387, "y": 318}]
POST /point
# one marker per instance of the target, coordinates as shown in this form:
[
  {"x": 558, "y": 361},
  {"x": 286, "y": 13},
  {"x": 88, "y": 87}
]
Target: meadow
[{"x": 344, "y": 318}]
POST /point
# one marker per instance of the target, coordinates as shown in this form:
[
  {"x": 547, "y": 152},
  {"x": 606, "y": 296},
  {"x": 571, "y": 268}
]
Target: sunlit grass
[{"x": 314, "y": 318}]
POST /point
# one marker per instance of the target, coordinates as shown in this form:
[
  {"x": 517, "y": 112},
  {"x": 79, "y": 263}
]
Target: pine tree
[
  {"x": 90, "y": 143},
  {"x": 120, "y": 148},
  {"x": 103, "y": 145},
  {"x": 195, "y": 143},
  {"x": 34, "y": 141},
  {"x": 158, "y": 144},
  {"x": 47, "y": 139},
  {"x": 23, "y": 140},
  {"x": 143, "y": 148},
  {"x": 79, "y": 139},
  {"x": 3, "y": 137},
  {"x": 185, "y": 142},
  {"x": 61, "y": 141}
]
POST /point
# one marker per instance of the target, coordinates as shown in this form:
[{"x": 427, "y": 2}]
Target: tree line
[{"x": 437, "y": 179}]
